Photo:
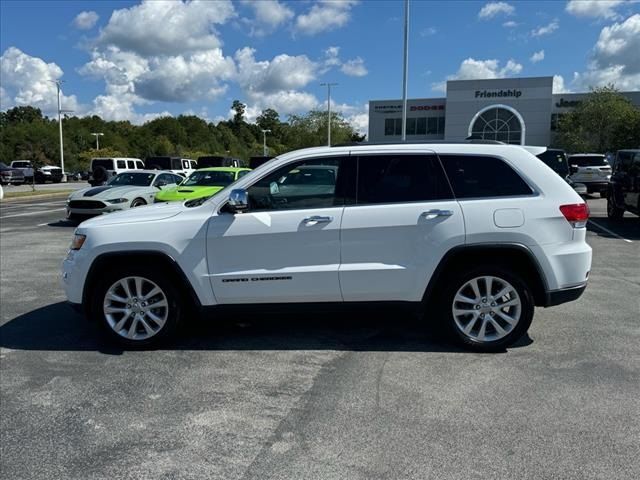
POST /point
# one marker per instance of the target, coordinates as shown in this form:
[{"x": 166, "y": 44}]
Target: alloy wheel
[
  {"x": 486, "y": 309},
  {"x": 135, "y": 308}
]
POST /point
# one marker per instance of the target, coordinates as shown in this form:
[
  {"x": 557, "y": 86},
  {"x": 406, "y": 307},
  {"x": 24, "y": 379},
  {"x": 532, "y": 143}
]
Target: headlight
[
  {"x": 77, "y": 241},
  {"x": 117, "y": 200}
]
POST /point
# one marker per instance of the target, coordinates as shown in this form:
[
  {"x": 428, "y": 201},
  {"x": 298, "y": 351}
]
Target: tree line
[{"x": 29, "y": 135}]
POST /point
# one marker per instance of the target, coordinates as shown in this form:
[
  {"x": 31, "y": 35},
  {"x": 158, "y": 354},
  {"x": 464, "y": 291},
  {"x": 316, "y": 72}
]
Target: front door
[
  {"x": 402, "y": 223},
  {"x": 286, "y": 247}
]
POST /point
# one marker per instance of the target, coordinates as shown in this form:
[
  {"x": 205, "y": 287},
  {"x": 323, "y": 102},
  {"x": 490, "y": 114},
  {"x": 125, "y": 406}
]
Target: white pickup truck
[{"x": 26, "y": 167}]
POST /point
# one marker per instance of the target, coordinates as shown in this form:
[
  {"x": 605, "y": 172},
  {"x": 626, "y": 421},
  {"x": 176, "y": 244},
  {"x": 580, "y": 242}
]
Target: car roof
[
  {"x": 154, "y": 172},
  {"x": 223, "y": 169},
  {"x": 587, "y": 155}
]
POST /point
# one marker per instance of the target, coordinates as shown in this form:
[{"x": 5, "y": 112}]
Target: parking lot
[{"x": 372, "y": 396}]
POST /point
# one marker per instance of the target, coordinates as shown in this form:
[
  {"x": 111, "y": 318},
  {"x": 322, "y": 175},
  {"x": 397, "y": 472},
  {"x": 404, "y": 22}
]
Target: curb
[{"x": 35, "y": 197}]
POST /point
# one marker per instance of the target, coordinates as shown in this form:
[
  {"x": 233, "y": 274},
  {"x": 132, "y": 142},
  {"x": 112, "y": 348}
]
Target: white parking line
[
  {"x": 16, "y": 205},
  {"x": 610, "y": 232},
  {"x": 30, "y": 213}
]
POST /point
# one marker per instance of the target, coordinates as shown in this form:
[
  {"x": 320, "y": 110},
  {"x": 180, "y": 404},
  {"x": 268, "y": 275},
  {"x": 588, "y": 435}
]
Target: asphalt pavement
[{"x": 309, "y": 397}]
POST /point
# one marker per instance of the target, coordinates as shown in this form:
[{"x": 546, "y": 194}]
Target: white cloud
[
  {"x": 28, "y": 80},
  {"x": 325, "y": 15},
  {"x": 558, "y": 85},
  {"x": 471, "y": 69},
  {"x": 546, "y": 29},
  {"x": 429, "y": 31},
  {"x": 510, "y": 24},
  {"x": 492, "y": 9},
  {"x": 283, "y": 72},
  {"x": 615, "y": 57},
  {"x": 594, "y": 8},
  {"x": 268, "y": 16},
  {"x": 162, "y": 27},
  {"x": 85, "y": 20},
  {"x": 354, "y": 67},
  {"x": 537, "y": 57},
  {"x": 331, "y": 57}
]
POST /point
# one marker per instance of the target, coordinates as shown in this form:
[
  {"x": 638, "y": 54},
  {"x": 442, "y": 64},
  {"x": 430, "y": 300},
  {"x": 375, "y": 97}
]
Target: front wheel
[
  {"x": 486, "y": 308},
  {"x": 613, "y": 212},
  {"x": 138, "y": 202},
  {"x": 137, "y": 306}
]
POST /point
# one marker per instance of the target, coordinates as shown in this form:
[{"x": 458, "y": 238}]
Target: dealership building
[{"x": 511, "y": 110}]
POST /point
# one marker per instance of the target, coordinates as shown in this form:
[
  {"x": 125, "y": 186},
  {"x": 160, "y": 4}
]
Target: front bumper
[
  {"x": 96, "y": 211},
  {"x": 564, "y": 295}
]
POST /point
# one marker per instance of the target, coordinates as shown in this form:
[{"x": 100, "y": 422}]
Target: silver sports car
[{"x": 126, "y": 190}]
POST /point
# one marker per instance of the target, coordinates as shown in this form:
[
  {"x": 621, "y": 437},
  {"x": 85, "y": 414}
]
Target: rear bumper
[{"x": 564, "y": 295}]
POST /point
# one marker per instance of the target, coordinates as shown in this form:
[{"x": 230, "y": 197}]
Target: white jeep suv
[{"x": 472, "y": 235}]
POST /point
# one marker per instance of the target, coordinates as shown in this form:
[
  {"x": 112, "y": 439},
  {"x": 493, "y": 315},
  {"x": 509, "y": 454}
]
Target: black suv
[{"x": 624, "y": 188}]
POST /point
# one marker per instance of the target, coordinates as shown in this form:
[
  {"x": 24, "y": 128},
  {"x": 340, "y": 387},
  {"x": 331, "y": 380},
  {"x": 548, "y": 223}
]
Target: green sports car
[{"x": 202, "y": 183}]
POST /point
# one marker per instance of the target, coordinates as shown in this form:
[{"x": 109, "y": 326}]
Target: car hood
[
  {"x": 107, "y": 192},
  {"x": 149, "y": 213},
  {"x": 186, "y": 193}
]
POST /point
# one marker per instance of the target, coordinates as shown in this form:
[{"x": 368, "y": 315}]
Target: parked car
[
  {"x": 48, "y": 173},
  {"x": 177, "y": 165},
  {"x": 10, "y": 175},
  {"x": 473, "y": 235},
  {"x": 624, "y": 189},
  {"x": 202, "y": 183},
  {"x": 26, "y": 167},
  {"x": 556, "y": 159},
  {"x": 103, "y": 169},
  {"x": 130, "y": 189},
  {"x": 217, "y": 161},
  {"x": 255, "y": 162},
  {"x": 591, "y": 169}
]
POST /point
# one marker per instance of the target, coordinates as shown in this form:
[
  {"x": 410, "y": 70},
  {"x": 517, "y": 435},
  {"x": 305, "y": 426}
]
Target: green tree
[
  {"x": 604, "y": 121},
  {"x": 240, "y": 109}
]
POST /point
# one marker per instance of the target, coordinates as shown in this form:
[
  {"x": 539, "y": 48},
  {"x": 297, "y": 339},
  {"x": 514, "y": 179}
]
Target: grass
[{"x": 34, "y": 194}]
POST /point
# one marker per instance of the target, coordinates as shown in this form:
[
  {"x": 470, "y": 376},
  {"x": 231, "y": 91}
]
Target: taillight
[{"x": 576, "y": 214}]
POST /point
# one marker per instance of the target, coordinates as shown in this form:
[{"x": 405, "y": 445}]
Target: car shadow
[
  {"x": 63, "y": 224},
  {"x": 58, "y": 327}
]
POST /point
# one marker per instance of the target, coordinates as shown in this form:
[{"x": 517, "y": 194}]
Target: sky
[{"x": 135, "y": 61}]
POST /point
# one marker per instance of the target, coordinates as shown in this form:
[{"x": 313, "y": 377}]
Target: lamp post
[
  {"x": 264, "y": 141},
  {"x": 328, "y": 85},
  {"x": 97, "y": 135},
  {"x": 406, "y": 70},
  {"x": 60, "y": 112}
]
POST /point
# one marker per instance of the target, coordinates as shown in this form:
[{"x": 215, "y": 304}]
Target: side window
[
  {"x": 163, "y": 178},
  {"x": 121, "y": 164},
  {"x": 176, "y": 179},
  {"x": 400, "y": 178},
  {"x": 139, "y": 165},
  {"x": 194, "y": 164},
  {"x": 242, "y": 173},
  {"x": 474, "y": 176},
  {"x": 185, "y": 164},
  {"x": 131, "y": 165},
  {"x": 624, "y": 160},
  {"x": 301, "y": 185}
]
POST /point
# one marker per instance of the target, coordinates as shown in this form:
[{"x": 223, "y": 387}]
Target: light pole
[
  {"x": 264, "y": 141},
  {"x": 60, "y": 112},
  {"x": 328, "y": 85},
  {"x": 98, "y": 135},
  {"x": 406, "y": 70}
]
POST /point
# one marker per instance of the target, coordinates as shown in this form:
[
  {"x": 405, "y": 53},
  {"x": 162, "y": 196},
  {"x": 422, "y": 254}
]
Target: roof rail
[{"x": 421, "y": 142}]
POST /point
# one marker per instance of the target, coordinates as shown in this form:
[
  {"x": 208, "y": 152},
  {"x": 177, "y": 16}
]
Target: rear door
[
  {"x": 286, "y": 247},
  {"x": 400, "y": 224}
]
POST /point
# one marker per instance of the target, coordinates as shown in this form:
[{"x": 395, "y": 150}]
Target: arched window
[{"x": 498, "y": 122}]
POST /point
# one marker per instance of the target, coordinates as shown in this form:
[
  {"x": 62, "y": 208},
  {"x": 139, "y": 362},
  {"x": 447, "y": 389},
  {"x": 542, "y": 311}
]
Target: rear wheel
[
  {"x": 486, "y": 308},
  {"x": 137, "y": 306},
  {"x": 613, "y": 212}
]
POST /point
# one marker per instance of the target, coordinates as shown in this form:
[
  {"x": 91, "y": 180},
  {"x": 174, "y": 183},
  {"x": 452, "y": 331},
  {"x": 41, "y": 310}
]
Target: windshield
[
  {"x": 589, "y": 161},
  {"x": 557, "y": 160},
  {"x": 209, "y": 179},
  {"x": 102, "y": 162},
  {"x": 21, "y": 164},
  {"x": 136, "y": 179},
  {"x": 309, "y": 176}
]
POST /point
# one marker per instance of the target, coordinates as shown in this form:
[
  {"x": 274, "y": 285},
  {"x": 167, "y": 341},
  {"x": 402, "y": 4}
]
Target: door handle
[
  {"x": 317, "y": 219},
  {"x": 436, "y": 213}
]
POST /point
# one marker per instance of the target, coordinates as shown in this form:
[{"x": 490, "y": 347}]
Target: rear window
[
  {"x": 556, "y": 160},
  {"x": 588, "y": 161},
  {"x": 475, "y": 176},
  {"x": 102, "y": 162},
  {"x": 21, "y": 164}
]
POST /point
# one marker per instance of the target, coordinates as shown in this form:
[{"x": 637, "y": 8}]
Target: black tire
[
  {"x": 100, "y": 174},
  {"x": 613, "y": 211},
  {"x": 174, "y": 300},
  {"x": 456, "y": 280},
  {"x": 138, "y": 202}
]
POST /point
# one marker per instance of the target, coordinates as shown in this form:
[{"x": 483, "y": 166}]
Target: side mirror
[{"x": 239, "y": 200}]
